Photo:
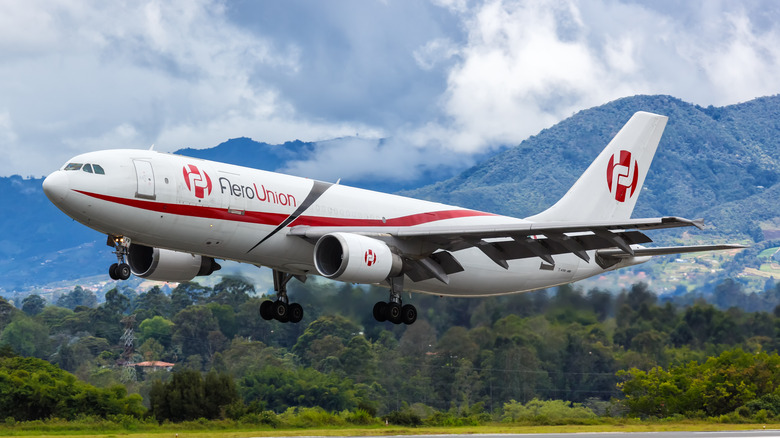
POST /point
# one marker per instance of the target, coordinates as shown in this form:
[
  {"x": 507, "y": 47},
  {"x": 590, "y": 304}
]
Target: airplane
[{"x": 170, "y": 217}]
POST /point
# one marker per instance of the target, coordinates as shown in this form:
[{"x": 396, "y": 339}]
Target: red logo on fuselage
[
  {"x": 370, "y": 257},
  {"x": 622, "y": 177},
  {"x": 197, "y": 181}
]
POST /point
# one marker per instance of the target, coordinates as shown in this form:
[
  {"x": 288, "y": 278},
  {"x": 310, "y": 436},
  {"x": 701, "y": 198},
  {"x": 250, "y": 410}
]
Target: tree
[
  {"x": 27, "y": 337},
  {"x": 226, "y": 318},
  {"x": 232, "y": 291},
  {"x": 192, "y": 327},
  {"x": 154, "y": 302},
  {"x": 333, "y": 326},
  {"x": 77, "y": 297},
  {"x": 33, "y": 304},
  {"x": 716, "y": 387},
  {"x": 281, "y": 388},
  {"x": 7, "y": 312},
  {"x": 188, "y": 396},
  {"x": 157, "y": 328},
  {"x": 116, "y": 302},
  {"x": 33, "y": 389}
]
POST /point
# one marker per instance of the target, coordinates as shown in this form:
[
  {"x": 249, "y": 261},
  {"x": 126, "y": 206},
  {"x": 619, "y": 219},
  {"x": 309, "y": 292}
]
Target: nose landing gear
[
  {"x": 281, "y": 309},
  {"x": 119, "y": 270}
]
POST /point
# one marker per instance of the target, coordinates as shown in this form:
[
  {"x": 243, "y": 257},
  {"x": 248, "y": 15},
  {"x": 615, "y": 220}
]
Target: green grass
[
  {"x": 189, "y": 431},
  {"x": 767, "y": 252}
]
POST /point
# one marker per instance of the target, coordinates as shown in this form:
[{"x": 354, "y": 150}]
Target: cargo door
[{"x": 145, "y": 176}]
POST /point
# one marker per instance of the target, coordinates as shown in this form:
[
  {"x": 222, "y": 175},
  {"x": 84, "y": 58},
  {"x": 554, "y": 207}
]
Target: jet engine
[
  {"x": 166, "y": 265},
  {"x": 356, "y": 259}
]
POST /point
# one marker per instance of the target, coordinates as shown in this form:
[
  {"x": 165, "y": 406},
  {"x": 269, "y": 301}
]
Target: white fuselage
[{"x": 243, "y": 214}]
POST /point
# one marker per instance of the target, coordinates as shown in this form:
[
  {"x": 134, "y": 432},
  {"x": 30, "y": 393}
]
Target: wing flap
[{"x": 665, "y": 250}]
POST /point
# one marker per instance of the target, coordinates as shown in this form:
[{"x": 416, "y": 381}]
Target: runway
[
  {"x": 685, "y": 434},
  {"x": 726, "y": 434}
]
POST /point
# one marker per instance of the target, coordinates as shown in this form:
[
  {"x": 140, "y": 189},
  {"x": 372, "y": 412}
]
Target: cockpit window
[
  {"x": 98, "y": 169},
  {"x": 88, "y": 168},
  {"x": 73, "y": 166}
]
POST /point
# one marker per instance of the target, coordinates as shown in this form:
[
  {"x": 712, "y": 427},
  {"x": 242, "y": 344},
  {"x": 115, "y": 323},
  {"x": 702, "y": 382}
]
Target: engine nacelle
[
  {"x": 166, "y": 265},
  {"x": 356, "y": 259}
]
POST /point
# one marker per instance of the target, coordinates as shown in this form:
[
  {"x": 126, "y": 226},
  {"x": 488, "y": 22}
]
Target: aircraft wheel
[
  {"x": 295, "y": 312},
  {"x": 394, "y": 313},
  {"x": 380, "y": 311},
  {"x": 123, "y": 271},
  {"x": 279, "y": 311},
  {"x": 112, "y": 272},
  {"x": 266, "y": 311},
  {"x": 408, "y": 314}
]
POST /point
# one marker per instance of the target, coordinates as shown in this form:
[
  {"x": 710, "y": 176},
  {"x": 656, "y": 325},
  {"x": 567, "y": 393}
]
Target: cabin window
[
  {"x": 87, "y": 168},
  {"x": 73, "y": 166},
  {"x": 98, "y": 169}
]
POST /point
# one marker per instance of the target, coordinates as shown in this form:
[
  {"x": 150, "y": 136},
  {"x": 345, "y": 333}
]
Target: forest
[{"x": 541, "y": 356}]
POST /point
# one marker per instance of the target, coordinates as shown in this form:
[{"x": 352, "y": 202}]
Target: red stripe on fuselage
[{"x": 258, "y": 217}]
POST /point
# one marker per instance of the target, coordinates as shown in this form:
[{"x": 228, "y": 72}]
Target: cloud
[
  {"x": 526, "y": 65},
  {"x": 369, "y": 159},
  {"x": 97, "y": 75}
]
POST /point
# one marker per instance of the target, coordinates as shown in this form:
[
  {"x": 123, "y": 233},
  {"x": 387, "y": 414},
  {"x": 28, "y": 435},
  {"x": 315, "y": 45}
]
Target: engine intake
[
  {"x": 355, "y": 258},
  {"x": 166, "y": 265}
]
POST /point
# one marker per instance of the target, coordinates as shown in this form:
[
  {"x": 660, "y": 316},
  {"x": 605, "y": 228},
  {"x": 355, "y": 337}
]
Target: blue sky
[{"x": 441, "y": 80}]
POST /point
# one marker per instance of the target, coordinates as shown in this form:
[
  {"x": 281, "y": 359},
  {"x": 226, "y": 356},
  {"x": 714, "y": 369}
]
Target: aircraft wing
[{"x": 431, "y": 256}]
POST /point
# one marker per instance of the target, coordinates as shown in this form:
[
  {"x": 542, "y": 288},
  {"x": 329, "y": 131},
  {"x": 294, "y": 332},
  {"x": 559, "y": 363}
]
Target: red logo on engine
[
  {"x": 622, "y": 177},
  {"x": 197, "y": 181},
  {"x": 370, "y": 257}
]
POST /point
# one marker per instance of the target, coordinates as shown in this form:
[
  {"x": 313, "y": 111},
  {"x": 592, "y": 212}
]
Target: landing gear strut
[
  {"x": 119, "y": 270},
  {"x": 394, "y": 310},
  {"x": 281, "y": 309}
]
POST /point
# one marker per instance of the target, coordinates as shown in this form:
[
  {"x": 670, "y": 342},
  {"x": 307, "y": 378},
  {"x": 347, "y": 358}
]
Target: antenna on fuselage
[{"x": 151, "y": 148}]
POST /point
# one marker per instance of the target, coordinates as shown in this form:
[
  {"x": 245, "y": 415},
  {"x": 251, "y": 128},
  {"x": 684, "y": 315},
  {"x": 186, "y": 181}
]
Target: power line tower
[{"x": 126, "y": 360}]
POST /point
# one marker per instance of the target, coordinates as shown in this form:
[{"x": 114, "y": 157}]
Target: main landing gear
[
  {"x": 119, "y": 270},
  {"x": 281, "y": 309},
  {"x": 394, "y": 310}
]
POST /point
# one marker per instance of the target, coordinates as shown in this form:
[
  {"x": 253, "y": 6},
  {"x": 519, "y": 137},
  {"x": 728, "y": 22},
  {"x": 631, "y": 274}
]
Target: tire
[
  {"x": 123, "y": 271},
  {"x": 408, "y": 314},
  {"x": 265, "y": 310},
  {"x": 112, "y": 272},
  {"x": 295, "y": 313},
  {"x": 279, "y": 310},
  {"x": 394, "y": 313},
  {"x": 380, "y": 311}
]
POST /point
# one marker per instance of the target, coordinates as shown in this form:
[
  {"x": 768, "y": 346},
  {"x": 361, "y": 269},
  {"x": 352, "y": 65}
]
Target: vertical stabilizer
[{"x": 610, "y": 186}]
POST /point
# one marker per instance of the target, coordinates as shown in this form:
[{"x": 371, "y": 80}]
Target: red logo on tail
[
  {"x": 370, "y": 257},
  {"x": 621, "y": 176},
  {"x": 197, "y": 181}
]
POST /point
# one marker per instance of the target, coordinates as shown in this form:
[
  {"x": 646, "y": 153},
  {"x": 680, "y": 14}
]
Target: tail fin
[{"x": 610, "y": 186}]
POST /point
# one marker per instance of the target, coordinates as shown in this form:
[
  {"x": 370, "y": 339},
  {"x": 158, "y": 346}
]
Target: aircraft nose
[{"x": 56, "y": 186}]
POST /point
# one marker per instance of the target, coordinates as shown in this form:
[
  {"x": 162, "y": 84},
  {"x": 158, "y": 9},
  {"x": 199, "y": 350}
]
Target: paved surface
[{"x": 726, "y": 434}]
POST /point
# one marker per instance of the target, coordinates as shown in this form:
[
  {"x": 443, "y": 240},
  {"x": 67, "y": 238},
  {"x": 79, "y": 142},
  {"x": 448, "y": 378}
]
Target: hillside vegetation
[{"x": 517, "y": 358}]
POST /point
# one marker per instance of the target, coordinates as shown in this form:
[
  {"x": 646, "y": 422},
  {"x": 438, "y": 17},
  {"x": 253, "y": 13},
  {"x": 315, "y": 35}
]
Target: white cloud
[
  {"x": 528, "y": 64},
  {"x": 745, "y": 64},
  {"x": 435, "y": 52},
  {"x": 92, "y": 75},
  {"x": 371, "y": 159}
]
